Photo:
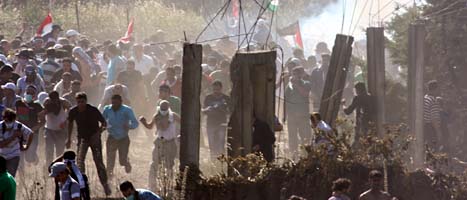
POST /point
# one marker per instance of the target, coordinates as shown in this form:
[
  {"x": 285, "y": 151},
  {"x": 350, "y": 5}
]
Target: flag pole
[{"x": 77, "y": 15}]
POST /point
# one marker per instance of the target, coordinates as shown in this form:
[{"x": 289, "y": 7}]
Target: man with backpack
[
  {"x": 69, "y": 159},
  {"x": 69, "y": 188},
  {"x": 14, "y": 138}
]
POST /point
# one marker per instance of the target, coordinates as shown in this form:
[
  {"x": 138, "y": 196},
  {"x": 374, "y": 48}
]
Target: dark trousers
[
  {"x": 267, "y": 151},
  {"x": 299, "y": 129},
  {"x": 12, "y": 165},
  {"x": 430, "y": 136},
  {"x": 94, "y": 142},
  {"x": 114, "y": 145}
]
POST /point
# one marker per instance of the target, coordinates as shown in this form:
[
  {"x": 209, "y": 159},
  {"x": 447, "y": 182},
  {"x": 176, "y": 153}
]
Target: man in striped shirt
[
  {"x": 431, "y": 115},
  {"x": 14, "y": 138}
]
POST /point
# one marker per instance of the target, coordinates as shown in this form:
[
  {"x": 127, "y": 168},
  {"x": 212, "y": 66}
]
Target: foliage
[
  {"x": 102, "y": 22},
  {"x": 398, "y": 28}
]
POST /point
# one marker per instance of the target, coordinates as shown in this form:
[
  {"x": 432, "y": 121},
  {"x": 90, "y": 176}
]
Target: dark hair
[
  {"x": 217, "y": 83},
  {"x": 126, "y": 185},
  {"x": 164, "y": 87},
  {"x": 9, "y": 114},
  {"x": 360, "y": 86},
  {"x": 81, "y": 95},
  {"x": 67, "y": 59},
  {"x": 376, "y": 174},
  {"x": 130, "y": 62},
  {"x": 341, "y": 184},
  {"x": 112, "y": 48},
  {"x": 69, "y": 155},
  {"x": 116, "y": 97},
  {"x": 2, "y": 164},
  {"x": 56, "y": 107},
  {"x": 432, "y": 85},
  {"x": 316, "y": 116}
]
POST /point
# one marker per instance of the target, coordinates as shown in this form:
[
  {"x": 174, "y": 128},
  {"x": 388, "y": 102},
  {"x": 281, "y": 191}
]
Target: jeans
[
  {"x": 54, "y": 144},
  {"x": 216, "y": 139},
  {"x": 12, "y": 165},
  {"x": 94, "y": 142},
  {"x": 163, "y": 157},
  {"x": 299, "y": 130},
  {"x": 114, "y": 145}
]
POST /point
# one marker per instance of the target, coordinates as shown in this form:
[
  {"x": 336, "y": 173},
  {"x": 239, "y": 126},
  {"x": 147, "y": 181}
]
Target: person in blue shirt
[
  {"x": 116, "y": 64},
  {"x": 130, "y": 193},
  {"x": 120, "y": 119}
]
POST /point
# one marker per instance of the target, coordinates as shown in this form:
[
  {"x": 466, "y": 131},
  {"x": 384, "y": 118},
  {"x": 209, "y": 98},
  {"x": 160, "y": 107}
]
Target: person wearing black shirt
[
  {"x": 363, "y": 104},
  {"x": 216, "y": 110},
  {"x": 263, "y": 139},
  {"x": 133, "y": 80},
  {"x": 87, "y": 118}
]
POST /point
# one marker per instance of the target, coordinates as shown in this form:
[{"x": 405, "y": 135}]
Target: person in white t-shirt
[
  {"x": 143, "y": 62},
  {"x": 165, "y": 147},
  {"x": 14, "y": 138},
  {"x": 55, "y": 112}
]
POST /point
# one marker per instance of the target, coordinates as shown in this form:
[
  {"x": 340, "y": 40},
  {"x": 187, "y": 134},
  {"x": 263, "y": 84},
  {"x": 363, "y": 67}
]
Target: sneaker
[
  {"x": 107, "y": 190},
  {"x": 128, "y": 168}
]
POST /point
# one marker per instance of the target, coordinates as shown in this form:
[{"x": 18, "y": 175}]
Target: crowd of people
[{"x": 68, "y": 91}]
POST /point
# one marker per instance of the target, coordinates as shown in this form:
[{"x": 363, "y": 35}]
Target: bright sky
[{"x": 325, "y": 26}]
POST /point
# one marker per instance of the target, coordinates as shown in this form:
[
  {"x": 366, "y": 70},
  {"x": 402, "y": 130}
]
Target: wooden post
[
  {"x": 191, "y": 107},
  {"x": 415, "y": 86},
  {"x": 335, "y": 78},
  {"x": 253, "y": 91},
  {"x": 376, "y": 73}
]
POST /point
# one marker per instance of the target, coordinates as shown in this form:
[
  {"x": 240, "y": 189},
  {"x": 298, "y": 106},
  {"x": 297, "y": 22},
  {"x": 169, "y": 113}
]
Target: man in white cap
[
  {"x": 72, "y": 36},
  {"x": 69, "y": 188},
  {"x": 10, "y": 97}
]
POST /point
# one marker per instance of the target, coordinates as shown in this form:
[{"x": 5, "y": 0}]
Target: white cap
[
  {"x": 71, "y": 33},
  {"x": 10, "y": 86}
]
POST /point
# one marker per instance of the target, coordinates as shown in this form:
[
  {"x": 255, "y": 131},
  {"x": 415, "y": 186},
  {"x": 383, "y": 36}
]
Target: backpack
[
  {"x": 84, "y": 192},
  {"x": 18, "y": 127}
]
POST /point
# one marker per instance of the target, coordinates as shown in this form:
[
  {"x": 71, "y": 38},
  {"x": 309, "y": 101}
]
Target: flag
[
  {"x": 293, "y": 30},
  {"x": 129, "y": 32},
  {"x": 273, "y": 5},
  {"x": 298, "y": 36},
  {"x": 235, "y": 9},
  {"x": 46, "y": 26}
]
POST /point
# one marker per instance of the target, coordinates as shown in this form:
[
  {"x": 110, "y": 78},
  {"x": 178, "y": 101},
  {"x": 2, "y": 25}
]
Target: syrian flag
[
  {"x": 293, "y": 30},
  {"x": 273, "y": 5},
  {"x": 129, "y": 32},
  {"x": 46, "y": 26}
]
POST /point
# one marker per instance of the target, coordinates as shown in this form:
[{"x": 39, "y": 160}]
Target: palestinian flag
[
  {"x": 273, "y": 5},
  {"x": 126, "y": 39},
  {"x": 293, "y": 30},
  {"x": 46, "y": 26}
]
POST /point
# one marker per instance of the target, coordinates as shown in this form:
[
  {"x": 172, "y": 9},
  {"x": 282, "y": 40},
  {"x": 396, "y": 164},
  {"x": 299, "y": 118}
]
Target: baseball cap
[
  {"x": 29, "y": 69},
  {"x": 6, "y": 68},
  {"x": 57, "y": 168},
  {"x": 24, "y": 53},
  {"x": 10, "y": 86},
  {"x": 71, "y": 33}
]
